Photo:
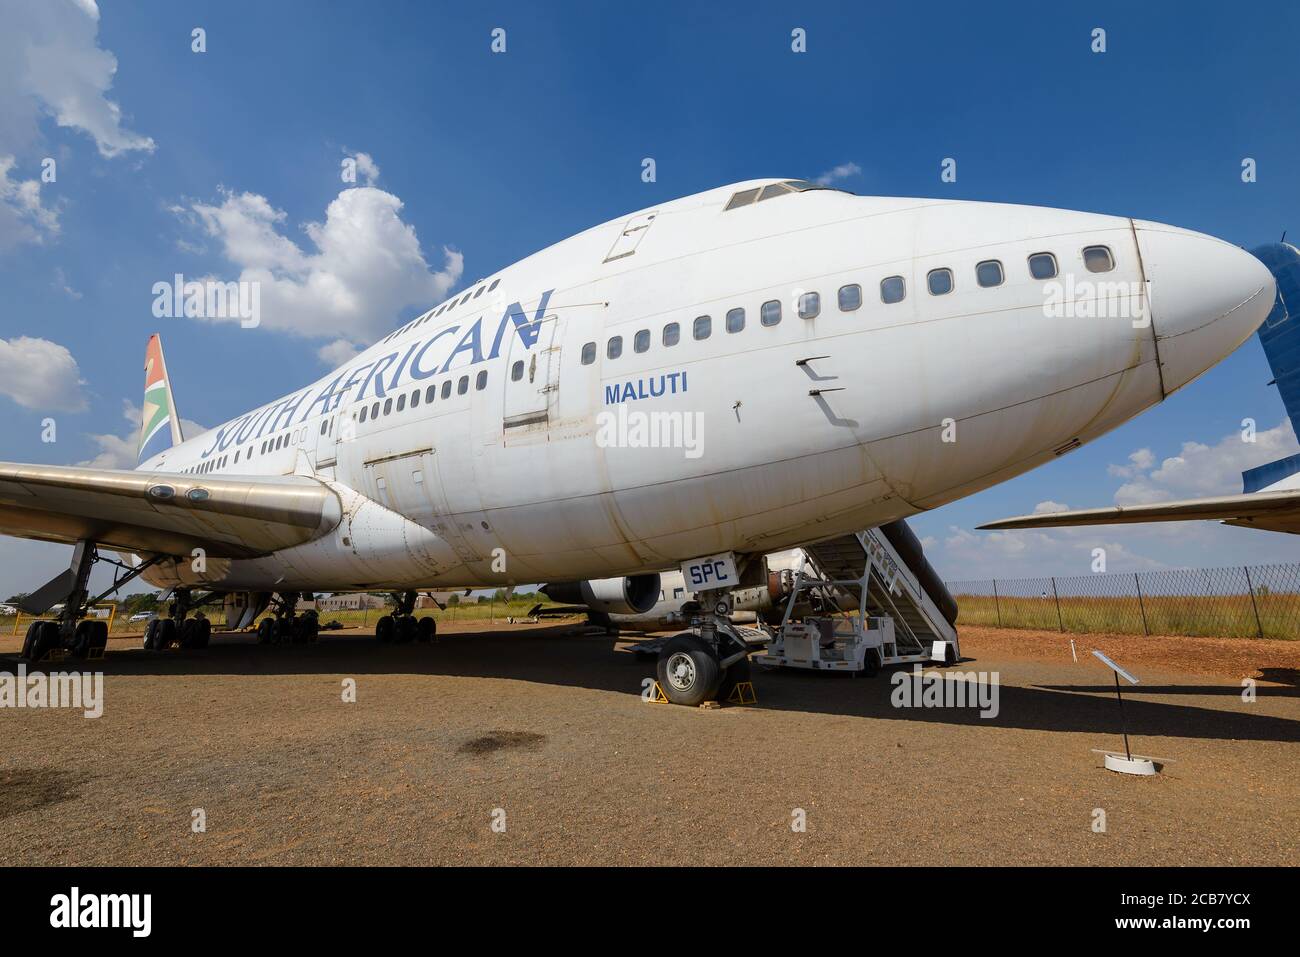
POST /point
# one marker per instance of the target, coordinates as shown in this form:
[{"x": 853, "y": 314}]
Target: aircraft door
[{"x": 532, "y": 380}]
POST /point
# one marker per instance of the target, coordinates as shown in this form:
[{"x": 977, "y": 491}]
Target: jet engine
[{"x": 634, "y": 595}]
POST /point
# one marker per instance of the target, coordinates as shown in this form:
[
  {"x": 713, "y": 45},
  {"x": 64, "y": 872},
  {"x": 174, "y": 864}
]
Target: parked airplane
[
  {"x": 816, "y": 363},
  {"x": 1270, "y": 496}
]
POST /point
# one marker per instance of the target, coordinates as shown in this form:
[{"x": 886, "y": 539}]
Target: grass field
[{"x": 1215, "y": 616}]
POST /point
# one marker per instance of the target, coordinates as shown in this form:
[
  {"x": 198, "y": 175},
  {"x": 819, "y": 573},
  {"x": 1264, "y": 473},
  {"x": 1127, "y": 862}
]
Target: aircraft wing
[
  {"x": 1275, "y": 511},
  {"x": 165, "y": 512}
]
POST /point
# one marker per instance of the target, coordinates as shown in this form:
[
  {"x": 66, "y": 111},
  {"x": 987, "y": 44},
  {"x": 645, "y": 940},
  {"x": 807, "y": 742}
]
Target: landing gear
[
  {"x": 287, "y": 628},
  {"x": 706, "y": 666},
  {"x": 402, "y": 626},
  {"x": 688, "y": 670}
]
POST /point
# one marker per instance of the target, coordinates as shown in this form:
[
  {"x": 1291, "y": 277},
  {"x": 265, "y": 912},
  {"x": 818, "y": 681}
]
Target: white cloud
[
  {"x": 837, "y": 173},
  {"x": 1029, "y": 553},
  {"x": 41, "y": 375},
  {"x": 61, "y": 282},
  {"x": 1199, "y": 470},
  {"x": 23, "y": 218},
  {"x": 337, "y": 352},
  {"x": 1050, "y": 506},
  {"x": 119, "y": 451},
  {"x": 365, "y": 266},
  {"x": 51, "y": 63},
  {"x": 367, "y": 167}
]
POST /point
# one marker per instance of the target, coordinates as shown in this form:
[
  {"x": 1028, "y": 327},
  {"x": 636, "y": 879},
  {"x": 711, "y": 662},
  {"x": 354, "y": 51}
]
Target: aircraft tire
[
  {"x": 426, "y": 629},
  {"x": 406, "y": 630},
  {"x": 385, "y": 629},
  {"x": 151, "y": 634},
  {"x": 82, "y": 638},
  {"x": 265, "y": 631},
  {"x": 688, "y": 670}
]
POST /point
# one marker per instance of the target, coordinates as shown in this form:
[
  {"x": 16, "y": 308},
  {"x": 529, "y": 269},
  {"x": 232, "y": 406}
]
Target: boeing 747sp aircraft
[{"x": 825, "y": 363}]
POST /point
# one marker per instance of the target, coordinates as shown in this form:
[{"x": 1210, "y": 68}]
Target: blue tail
[{"x": 1280, "y": 337}]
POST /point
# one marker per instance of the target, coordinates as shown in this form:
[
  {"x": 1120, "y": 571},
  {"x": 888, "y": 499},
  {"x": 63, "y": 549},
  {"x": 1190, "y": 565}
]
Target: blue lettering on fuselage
[
  {"x": 375, "y": 372},
  {"x": 652, "y": 387}
]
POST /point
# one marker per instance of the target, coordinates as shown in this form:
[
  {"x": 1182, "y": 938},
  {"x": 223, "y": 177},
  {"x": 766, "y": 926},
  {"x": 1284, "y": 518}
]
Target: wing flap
[
  {"x": 143, "y": 512},
  {"x": 1274, "y": 511}
]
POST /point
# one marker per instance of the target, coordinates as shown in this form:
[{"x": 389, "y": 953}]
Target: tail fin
[
  {"x": 1280, "y": 337},
  {"x": 160, "y": 426}
]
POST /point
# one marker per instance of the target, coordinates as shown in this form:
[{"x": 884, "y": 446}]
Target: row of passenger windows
[
  {"x": 452, "y": 304},
  {"x": 271, "y": 444},
  {"x": 377, "y": 408},
  {"x": 893, "y": 289}
]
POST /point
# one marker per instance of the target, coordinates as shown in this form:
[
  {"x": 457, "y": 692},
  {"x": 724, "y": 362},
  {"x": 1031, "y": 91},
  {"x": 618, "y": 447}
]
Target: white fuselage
[{"x": 925, "y": 400}]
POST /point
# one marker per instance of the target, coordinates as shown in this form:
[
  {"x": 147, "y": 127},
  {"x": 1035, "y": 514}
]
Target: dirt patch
[
  {"x": 503, "y": 741},
  {"x": 28, "y": 789},
  {"x": 1267, "y": 660}
]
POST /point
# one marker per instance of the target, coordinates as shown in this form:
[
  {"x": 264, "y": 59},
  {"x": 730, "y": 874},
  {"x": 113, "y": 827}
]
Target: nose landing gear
[{"x": 706, "y": 665}]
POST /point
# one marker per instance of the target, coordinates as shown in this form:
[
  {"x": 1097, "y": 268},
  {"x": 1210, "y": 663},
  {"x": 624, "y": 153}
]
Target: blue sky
[{"x": 484, "y": 158}]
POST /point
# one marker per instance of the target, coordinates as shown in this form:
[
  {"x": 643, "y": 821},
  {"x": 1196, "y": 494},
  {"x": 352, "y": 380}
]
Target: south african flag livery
[{"x": 159, "y": 426}]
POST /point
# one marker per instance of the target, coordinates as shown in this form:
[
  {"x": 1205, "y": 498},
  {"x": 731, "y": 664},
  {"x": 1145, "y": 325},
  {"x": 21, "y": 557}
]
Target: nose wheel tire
[{"x": 688, "y": 670}]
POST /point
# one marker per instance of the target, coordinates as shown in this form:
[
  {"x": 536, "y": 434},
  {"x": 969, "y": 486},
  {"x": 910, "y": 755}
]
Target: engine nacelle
[{"x": 633, "y": 595}]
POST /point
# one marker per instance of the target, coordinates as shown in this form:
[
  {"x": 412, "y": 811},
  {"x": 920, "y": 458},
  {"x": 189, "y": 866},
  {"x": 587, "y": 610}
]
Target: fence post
[
  {"x": 1259, "y": 628},
  {"x": 1059, "y": 621},
  {"x": 1145, "y": 630},
  {"x": 996, "y": 607}
]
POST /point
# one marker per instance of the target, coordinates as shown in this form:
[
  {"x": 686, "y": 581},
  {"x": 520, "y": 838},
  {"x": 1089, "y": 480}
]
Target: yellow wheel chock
[{"x": 743, "y": 693}]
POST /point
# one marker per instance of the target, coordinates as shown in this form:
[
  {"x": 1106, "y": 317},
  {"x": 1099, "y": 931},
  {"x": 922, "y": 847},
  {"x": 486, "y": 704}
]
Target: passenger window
[
  {"x": 415, "y": 398},
  {"x": 703, "y": 327},
  {"x": 769, "y": 314},
  {"x": 939, "y": 281},
  {"x": 429, "y": 393},
  {"x": 892, "y": 289},
  {"x": 989, "y": 273},
  {"x": 641, "y": 343},
  {"x": 494, "y": 283},
  {"x": 672, "y": 334},
  {"x": 588, "y": 357},
  {"x": 481, "y": 382},
  {"x": 850, "y": 297},
  {"x": 735, "y": 319},
  {"x": 374, "y": 411},
  {"x": 517, "y": 370},
  {"x": 810, "y": 304},
  {"x": 388, "y": 406},
  {"x": 1098, "y": 259},
  {"x": 614, "y": 348},
  {"x": 463, "y": 385},
  {"x": 446, "y": 388},
  {"x": 401, "y": 402},
  {"x": 1042, "y": 265},
  {"x": 480, "y": 291},
  {"x": 322, "y": 432}
]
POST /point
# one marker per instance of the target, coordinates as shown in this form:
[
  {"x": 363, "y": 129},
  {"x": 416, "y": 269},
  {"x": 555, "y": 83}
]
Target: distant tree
[
  {"x": 15, "y": 599},
  {"x": 454, "y": 599}
]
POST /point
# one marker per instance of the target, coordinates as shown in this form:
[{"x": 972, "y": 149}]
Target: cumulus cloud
[
  {"x": 1198, "y": 469},
  {"x": 366, "y": 167},
  {"x": 119, "y": 451},
  {"x": 358, "y": 270},
  {"x": 1029, "y": 553},
  {"x": 51, "y": 64},
  {"x": 41, "y": 375},
  {"x": 337, "y": 352},
  {"x": 23, "y": 217},
  {"x": 837, "y": 173}
]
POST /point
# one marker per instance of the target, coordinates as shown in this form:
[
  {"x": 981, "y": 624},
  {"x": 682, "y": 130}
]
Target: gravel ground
[{"x": 547, "y": 731}]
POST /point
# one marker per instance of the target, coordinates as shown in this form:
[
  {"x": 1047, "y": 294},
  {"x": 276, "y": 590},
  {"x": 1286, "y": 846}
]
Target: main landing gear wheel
[
  {"x": 426, "y": 629},
  {"x": 688, "y": 670},
  {"x": 266, "y": 631},
  {"x": 89, "y": 636},
  {"x": 406, "y": 629},
  {"x": 385, "y": 629},
  {"x": 41, "y": 637}
]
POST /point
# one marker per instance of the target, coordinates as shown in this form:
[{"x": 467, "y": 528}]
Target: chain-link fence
[{"x": 1262, "y": 601}]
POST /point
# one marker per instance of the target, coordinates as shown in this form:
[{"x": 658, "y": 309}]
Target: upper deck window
[
  {"x": 1042, "y": 266},
  {"x": 1098, "y": 259},
  {"x": 755, "y": 194}
]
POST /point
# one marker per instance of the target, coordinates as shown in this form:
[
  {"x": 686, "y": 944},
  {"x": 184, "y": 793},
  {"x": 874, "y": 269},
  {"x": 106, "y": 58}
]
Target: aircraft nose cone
[{"x": 1206, "y": 297}]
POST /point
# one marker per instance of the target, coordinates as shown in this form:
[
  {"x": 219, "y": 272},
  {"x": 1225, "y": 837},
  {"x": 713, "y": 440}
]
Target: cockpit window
[
  {"x": 757, "y": 194},
  {"x": 743, "y": 198}
]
